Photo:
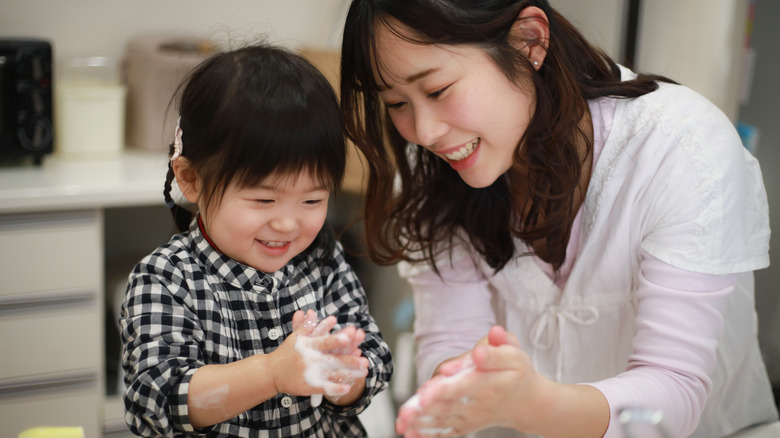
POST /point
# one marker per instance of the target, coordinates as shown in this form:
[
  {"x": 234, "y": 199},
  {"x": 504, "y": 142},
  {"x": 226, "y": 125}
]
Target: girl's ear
[
  {"x": 187, "y": 179},
  {"x": 531, "y": 35}
]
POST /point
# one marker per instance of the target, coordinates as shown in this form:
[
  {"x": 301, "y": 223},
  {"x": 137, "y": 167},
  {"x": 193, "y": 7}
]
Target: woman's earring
[{"x": 536, "y": 63}]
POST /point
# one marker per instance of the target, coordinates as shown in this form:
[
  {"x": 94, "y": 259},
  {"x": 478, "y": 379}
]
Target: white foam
[
  {"x": 211, "y": 399},
  {"x": 319, "y": 367},
  {"x": 414, "y": 401}
]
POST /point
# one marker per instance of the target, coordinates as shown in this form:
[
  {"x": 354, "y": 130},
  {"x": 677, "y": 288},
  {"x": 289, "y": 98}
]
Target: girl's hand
[
  {"x": 356, "y": 385},
  {"x": 494, "y": 385},
  {"x": 310, "y": 361}
]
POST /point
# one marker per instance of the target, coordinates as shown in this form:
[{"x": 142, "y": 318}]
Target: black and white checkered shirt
[{"x": 187, "y": 305}]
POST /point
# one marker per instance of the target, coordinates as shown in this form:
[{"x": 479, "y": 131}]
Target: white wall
[
  {"x": 762, "y": 109},
  {"x": 698, "y": 43},
  {"x": 601, "y": 21},
  {"x": 103, "y": 27},
  {"x": 695, "y": 42}
]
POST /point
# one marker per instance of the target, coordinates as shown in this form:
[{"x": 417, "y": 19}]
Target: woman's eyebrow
[{"x": 412, "y": 78}]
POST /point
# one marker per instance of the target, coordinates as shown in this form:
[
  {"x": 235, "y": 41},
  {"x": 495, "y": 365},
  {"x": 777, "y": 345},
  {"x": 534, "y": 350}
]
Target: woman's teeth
[
  {"x": 273, "y": 244},
  {"x": 463, "y": 152}
]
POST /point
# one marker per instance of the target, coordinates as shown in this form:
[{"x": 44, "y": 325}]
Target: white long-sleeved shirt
[{"x": 655, "y": 308}]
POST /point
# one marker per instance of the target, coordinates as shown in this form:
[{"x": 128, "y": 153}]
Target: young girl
[
  {"x": 580, "y": 239},
  {"x": 238, "y": 325}
]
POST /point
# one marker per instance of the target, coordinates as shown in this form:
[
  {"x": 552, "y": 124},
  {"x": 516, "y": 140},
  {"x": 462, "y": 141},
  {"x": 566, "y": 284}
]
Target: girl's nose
[
  {"x": 428, "y": 127},
  {"x": 284, "y": 223}
]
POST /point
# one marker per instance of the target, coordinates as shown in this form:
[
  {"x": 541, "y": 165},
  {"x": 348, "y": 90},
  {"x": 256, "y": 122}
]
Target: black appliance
[{"x": 26, "y": 123}]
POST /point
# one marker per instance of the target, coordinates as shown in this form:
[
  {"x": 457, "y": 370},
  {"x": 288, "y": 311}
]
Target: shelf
[{"x": 130, "y": 178}]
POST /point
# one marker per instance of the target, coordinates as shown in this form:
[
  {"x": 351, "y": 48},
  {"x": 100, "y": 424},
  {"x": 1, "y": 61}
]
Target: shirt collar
[{"x": 236, "y": 273}]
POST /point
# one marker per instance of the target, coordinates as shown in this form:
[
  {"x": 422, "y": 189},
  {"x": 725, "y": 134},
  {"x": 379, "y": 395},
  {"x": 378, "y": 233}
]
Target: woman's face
[{"x": 455, "y": 102}]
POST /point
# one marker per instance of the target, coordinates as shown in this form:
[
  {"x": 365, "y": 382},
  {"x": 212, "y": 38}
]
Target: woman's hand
[{"x": 494, "y": 385}]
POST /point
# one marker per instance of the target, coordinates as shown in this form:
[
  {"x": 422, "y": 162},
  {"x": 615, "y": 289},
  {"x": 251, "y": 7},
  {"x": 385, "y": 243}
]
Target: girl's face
[
  {"x": 455, "y": 102},
  {"x": 266, "y": 226}
]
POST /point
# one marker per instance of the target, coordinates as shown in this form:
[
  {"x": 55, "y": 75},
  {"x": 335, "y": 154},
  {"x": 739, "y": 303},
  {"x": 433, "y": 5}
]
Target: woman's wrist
[
  {"x": 540, "y": 406},
  {"x": 565, "y": 410}
]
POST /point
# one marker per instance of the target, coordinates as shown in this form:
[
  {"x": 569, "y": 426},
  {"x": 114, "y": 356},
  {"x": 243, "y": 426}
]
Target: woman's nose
[{"x": 428, "y": 127}]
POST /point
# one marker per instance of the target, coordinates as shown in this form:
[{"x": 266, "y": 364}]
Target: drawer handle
[
  {"x": 14, "y": 221},
  {"x": 48, "y": 301},
  {"x": 59, "y": 382}
]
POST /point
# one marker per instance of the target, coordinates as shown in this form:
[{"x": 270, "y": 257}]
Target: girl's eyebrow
[
  {"x": 316, "y": 188},
  {"x": 412, "y": 78}
]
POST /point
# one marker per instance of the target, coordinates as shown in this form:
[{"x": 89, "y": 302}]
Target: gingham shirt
[{"x": 187, "y": 305}]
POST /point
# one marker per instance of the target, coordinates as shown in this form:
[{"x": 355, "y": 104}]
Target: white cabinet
[
  {"x": 53, "y": 272},
  {"x": 51, "y": 320}
]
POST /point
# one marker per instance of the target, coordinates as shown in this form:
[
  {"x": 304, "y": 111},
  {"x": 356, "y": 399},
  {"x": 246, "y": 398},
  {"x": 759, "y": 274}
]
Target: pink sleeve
[
  {"x": 453, "y": 311},
  {"x": 679, "y": 320}
]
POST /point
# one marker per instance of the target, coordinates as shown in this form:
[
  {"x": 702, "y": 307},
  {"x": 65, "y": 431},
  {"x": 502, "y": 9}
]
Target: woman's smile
[
  {"x": 462, "y": 152},
  {"x": 465, "y": 156}
]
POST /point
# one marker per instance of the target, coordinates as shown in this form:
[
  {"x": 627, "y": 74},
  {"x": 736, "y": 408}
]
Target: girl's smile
[
  {"x": 271, "y": 244},
  {"x": 274, "y": 248}
]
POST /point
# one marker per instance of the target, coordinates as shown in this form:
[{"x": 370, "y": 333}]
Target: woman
[{"x": 580, "y": 239}]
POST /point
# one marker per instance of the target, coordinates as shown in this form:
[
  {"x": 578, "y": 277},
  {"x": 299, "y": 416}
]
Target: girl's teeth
[
  {"x": 273, "y": 244},
  {"x": 463, "y": 152}
]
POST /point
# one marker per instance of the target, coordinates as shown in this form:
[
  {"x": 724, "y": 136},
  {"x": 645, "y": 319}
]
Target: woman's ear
[
  {"x": 531, "y": 35},
  {"x": 187, "y": 179}
]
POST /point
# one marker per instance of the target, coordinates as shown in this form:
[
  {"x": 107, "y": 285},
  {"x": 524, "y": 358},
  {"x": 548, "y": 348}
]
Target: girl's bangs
[{"x": 290, "y": 141}]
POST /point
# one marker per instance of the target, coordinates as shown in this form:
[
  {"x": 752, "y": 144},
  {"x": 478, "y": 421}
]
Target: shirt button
[
  {"x": 274, "y": 334},
  {"x": 265, "y": 282},
  {"x": 287, "y": 401}
]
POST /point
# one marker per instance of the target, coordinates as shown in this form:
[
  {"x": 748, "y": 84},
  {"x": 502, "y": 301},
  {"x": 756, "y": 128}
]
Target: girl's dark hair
[
  {"x": 433, "y": 204},
  {"x": 256, "y": 112}
]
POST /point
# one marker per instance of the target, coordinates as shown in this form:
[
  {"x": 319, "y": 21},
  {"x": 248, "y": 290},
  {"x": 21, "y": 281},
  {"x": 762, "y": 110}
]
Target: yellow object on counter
[{"x": 53, "y": 432}]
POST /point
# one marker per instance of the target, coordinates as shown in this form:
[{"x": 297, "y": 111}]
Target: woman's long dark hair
[
  {"x": 433, "y": 204},
  {"x": 256, "y": 112}
]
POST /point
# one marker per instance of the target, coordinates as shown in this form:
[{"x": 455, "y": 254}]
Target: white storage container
[{"x": 89, "y": 108}]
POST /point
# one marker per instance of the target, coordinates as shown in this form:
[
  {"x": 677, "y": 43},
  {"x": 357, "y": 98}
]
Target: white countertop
[{"x": 133, "y": 177}]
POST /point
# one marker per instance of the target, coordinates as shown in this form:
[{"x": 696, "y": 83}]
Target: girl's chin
[{"x": 269, "y": 266}]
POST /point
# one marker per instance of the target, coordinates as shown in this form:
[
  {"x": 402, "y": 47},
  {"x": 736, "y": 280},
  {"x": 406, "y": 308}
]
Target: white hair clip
[{"x": 177, "y": 145}]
